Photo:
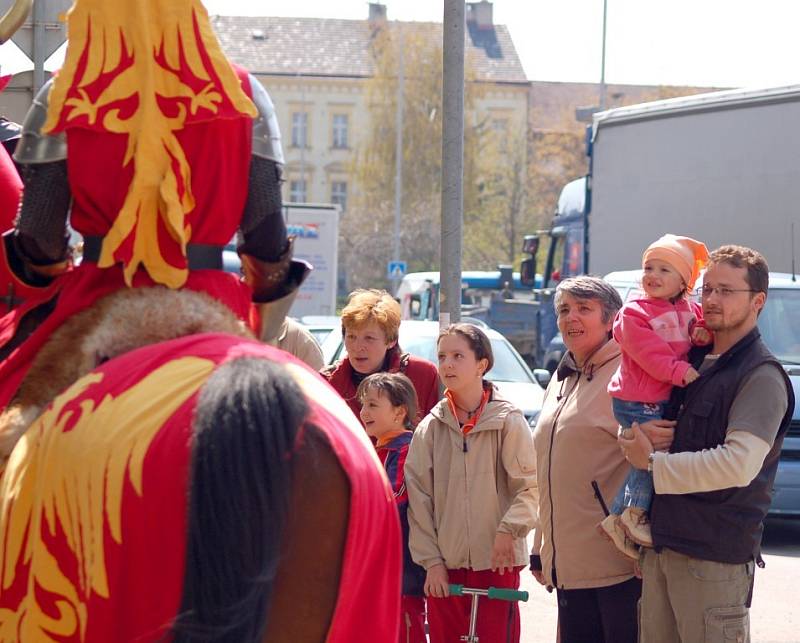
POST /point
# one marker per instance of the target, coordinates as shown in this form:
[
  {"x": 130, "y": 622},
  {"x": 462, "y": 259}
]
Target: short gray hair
[{"x": 589, "y": 287}]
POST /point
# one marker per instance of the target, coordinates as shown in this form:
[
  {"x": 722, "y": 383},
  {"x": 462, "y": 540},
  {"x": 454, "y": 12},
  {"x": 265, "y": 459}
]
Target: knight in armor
[
  {"x": 15, "y": 285},
  {"x": 157, "y": 150}
]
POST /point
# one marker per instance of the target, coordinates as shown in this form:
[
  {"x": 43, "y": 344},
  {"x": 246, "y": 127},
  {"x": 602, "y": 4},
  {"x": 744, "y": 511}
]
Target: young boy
[{"x": 388, "y": 408}]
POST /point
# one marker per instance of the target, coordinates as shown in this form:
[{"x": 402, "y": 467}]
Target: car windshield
[
  {"x": 779, "y": 324},
  {"x": 320, "y": 334},
  {"x": 507, "y": 366}
]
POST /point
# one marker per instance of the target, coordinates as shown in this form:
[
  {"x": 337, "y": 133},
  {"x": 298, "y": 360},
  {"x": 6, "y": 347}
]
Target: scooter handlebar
[{"x": 497, "y": 593}]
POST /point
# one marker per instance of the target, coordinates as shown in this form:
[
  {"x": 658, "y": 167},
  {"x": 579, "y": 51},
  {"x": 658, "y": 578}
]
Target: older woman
[
  {"x": 370, "y": 326},
  {"x": 576, "y": 446}
]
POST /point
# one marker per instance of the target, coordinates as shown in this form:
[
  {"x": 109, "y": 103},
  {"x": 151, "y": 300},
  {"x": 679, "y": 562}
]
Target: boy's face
[
  {"x": 660, "y": 280},
  {"x": 378, "y": 414}
]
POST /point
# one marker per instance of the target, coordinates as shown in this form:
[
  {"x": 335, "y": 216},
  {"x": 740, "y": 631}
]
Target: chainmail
[
  {"x": 42, "y": 221},
  {"x": 263, "y": 230}
]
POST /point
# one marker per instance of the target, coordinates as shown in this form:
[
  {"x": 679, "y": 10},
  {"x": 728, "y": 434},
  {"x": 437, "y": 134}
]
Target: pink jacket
[{"x": 654, "y": 337}]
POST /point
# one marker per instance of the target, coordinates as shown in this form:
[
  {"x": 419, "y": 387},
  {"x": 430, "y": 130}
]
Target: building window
[
  {"x": 299, "y": 129},
  {"x": 340, "y": 130},
  {"x": 297, "y": 191},
  {"x": 339, "y": 193},
  {"x": 500, "y": 128}
]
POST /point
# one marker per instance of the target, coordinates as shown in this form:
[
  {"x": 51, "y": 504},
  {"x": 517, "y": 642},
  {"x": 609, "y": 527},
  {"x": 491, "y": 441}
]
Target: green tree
[
  {"x": 495, "y": 224},
  {"x": 369, "y": 223}
]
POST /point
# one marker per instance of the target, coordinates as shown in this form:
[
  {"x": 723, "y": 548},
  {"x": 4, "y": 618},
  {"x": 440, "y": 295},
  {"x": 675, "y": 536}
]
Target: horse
[{"x": 220, "y": 468}]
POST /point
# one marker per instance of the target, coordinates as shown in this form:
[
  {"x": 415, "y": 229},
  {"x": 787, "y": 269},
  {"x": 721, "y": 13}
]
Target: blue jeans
[{"x": 638, "y": 488}]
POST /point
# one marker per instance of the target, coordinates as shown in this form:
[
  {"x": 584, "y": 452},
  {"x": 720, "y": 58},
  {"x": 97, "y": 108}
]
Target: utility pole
[
  {"x": 603, "y": 61},
  {"x": 40, "y": 54},
  {"x": 452, "y": 162},
  {"x": 398, "y": 162}
]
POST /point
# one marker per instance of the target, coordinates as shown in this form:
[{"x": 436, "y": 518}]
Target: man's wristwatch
[{"x": 650, "y": 460}]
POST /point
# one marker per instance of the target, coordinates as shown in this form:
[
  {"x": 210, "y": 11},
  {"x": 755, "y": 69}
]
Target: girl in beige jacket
[{"x": 470, "y": 476}]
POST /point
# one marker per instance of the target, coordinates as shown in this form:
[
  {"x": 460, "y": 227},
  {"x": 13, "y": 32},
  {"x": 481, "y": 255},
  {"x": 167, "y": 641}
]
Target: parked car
[
  {"x": 510, "y": 373},
  {"x": 321, "y": 326},
  {"x": 779, "y": 324}
]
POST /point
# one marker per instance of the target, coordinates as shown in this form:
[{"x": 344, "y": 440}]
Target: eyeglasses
[{"x": 705, "y": 291}]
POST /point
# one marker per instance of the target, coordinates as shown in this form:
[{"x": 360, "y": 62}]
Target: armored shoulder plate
[
  {"x": 266, "y": 133},
  {"x": 34, "y": 146}
]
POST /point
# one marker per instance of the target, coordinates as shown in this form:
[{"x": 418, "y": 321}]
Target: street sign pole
[
  {"x": 398, "y": 172},
  {"x": 39, "y": 53},
  {"x": 452, "y": 162}
]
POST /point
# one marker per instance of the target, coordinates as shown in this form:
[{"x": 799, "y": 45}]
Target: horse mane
[{"x": 247, "y": 421}]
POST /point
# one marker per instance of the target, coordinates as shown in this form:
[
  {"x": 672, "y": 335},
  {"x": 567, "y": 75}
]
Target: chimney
[
  {"x": 480, "y": 14},
  {"x": 377, "y": 14}
]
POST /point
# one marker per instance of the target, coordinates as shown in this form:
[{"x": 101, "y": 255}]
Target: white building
[{"x": 315, "y": 70}]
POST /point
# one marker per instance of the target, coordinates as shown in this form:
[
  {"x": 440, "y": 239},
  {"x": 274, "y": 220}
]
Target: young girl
[
  {"x": 388, "y": 406},
  {"x": 471, "y": 482},
  {"x": 655, "y": 334}
]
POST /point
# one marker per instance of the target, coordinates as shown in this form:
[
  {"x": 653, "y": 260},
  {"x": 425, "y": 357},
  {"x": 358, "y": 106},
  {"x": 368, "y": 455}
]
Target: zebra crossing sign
[{"x": 396, "y": 269}]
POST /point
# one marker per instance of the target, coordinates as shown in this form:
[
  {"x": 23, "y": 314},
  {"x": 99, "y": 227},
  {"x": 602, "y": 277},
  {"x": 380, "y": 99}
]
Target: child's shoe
[
  {"x": 636, "y": 524},
  {"x": 611, "y": 529}
]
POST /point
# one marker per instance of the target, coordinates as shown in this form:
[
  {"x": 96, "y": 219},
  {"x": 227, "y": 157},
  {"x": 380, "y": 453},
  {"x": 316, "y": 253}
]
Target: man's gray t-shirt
[{"x": 760, "y": 402}]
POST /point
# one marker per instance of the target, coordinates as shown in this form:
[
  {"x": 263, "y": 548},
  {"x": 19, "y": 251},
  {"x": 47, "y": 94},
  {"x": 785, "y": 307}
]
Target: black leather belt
[{"x": 200, "y": 256}]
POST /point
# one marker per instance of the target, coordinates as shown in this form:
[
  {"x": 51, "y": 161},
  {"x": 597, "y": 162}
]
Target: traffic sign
[
  {"x": 49, "y": 12},
  {"x": 396, "y": 270}
]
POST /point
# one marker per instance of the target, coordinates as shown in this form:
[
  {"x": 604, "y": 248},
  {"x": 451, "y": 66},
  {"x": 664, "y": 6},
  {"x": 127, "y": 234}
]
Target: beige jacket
[
  {"x": 576, "y": 442},
  {"x": 459, "y": 500},
  {"x": 295, "y": 339}
]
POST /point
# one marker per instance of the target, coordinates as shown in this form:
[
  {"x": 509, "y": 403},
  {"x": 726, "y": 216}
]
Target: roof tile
[{"x": 333, "y": 47}]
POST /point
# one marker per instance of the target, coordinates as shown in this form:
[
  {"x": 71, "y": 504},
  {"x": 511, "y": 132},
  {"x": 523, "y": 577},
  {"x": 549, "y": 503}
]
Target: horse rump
[{"x": 265, "y": 490}]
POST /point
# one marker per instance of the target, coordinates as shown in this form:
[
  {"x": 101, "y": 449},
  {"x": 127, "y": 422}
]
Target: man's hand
[
  {"x": 538, "y": 574},
  {"x": 660, "y": 433},
  {"x": 503, "y": 553},
  {"x": 436, "y": 582},
  {"x": 637, "y": 449}
]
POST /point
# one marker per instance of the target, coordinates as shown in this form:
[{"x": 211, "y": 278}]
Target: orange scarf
[{"x": 388, "y": 437}]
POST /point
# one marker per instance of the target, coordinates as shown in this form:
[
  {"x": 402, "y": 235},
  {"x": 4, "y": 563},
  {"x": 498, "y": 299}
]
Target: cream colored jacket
[
  {"x": 576, "y": 442},
  {"x": 460, "y": 499},
  {"x": 295, "y": 338}
]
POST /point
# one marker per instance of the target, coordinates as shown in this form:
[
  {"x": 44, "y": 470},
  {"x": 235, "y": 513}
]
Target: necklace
[{"x": 467, "y": 411}]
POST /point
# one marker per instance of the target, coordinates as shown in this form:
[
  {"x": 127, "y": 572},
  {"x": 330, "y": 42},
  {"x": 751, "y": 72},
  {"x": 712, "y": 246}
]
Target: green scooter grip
[
  {"x": 507, "y": 594},
  {"x": 456, "y": 590}
]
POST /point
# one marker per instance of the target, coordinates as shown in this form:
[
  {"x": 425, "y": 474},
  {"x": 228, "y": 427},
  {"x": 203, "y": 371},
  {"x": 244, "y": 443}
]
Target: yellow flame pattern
[
  {"x": 106, "y": 32},
  {"x": 75, "y": 479}
]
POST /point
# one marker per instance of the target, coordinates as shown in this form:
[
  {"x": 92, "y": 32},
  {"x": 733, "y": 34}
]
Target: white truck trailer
[{"x": 722, "y": 167}]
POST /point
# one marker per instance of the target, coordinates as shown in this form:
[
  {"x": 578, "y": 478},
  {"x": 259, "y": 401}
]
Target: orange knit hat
[{"x": 685, "y": 254}]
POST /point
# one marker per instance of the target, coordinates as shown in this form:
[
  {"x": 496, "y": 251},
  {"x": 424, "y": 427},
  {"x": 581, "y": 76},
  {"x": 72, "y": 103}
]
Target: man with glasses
[{"x": 713, "y": 489}]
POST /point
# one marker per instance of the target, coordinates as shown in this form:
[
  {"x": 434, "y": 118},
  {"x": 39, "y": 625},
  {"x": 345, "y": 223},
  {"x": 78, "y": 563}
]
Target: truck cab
[
  {"x": 565, "y": 257},
  {"x": 497, "y": 298}
]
